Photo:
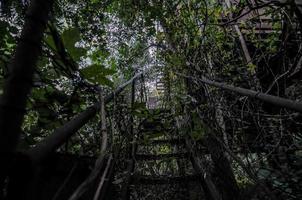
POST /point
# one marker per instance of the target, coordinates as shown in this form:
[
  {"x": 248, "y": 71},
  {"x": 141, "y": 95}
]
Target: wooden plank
[
  {"x": 161, "y": 156},
  {"x": 154, "y": 180}
]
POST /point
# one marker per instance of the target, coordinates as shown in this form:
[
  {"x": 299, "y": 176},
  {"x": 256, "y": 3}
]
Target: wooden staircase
[
  {"x": 160, "y": 168},
  {"x": 161, "y": 165}
]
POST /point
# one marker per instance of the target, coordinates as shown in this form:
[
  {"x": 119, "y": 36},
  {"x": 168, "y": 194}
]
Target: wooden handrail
[
  {"x": 87, "y": 183},
  {"x": 63, "y": 133},
  {"x": 274, "y": 100},
  {"x": 271, "y": 99}
]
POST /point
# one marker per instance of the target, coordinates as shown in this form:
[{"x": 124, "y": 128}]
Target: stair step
[
  {"x": 154, "y": 180},
  {"x": 173, "y": 141},
  {"x": 161, "y": 156},
  {"x": 151, "y": 130},
  {"x": 166, "y": 141}
]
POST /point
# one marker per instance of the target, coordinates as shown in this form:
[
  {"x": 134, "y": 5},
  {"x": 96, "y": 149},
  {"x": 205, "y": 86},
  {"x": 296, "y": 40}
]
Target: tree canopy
[{"x": 228, "y": 71}]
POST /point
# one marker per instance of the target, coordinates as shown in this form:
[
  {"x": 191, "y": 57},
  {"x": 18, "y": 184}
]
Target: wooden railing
[
  {"x": 41, "y": 151},
  {"x": 62, "y": 134}
]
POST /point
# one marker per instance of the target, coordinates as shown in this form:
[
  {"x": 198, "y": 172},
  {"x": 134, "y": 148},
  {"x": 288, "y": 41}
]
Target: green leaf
[
  {"x": 251, "y": 68},
  {"x": 139, "y": 106},
  {"x": 105, "y": 81},
  {"x": 39, "y": 95},
  {"x": 156, "y": 135},
  {"x": 108, "y": 72},
  {"x": 97, "y": 74},
  {"x": 50, "y": 42},
  {"x": 70, "y": 37}
]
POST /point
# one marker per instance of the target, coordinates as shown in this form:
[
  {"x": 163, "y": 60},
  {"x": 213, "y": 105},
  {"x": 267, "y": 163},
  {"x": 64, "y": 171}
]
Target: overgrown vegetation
[{"x": 245, "y": 146}]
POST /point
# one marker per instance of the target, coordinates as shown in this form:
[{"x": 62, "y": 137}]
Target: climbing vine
[{"x": 250, "y": 147}]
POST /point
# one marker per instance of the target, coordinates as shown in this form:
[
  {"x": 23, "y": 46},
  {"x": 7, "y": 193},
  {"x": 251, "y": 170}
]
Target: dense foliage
[{"x": 246, "y": 43}]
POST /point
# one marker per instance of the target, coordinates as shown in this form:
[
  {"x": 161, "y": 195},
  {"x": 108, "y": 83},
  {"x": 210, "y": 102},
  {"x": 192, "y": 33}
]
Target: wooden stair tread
[
  {"x": 166, "y": 141},
  {"x": 153, "y": 180},
  {"x": 161, "y": 156}
]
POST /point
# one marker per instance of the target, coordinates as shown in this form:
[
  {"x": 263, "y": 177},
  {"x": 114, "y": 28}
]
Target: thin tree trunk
[
  {"x": 218, "y": 109},
  {"x": 245, "y": 51}
]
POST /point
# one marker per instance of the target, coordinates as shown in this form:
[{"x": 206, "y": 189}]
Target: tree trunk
[{"x": 19, "y": 81}]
